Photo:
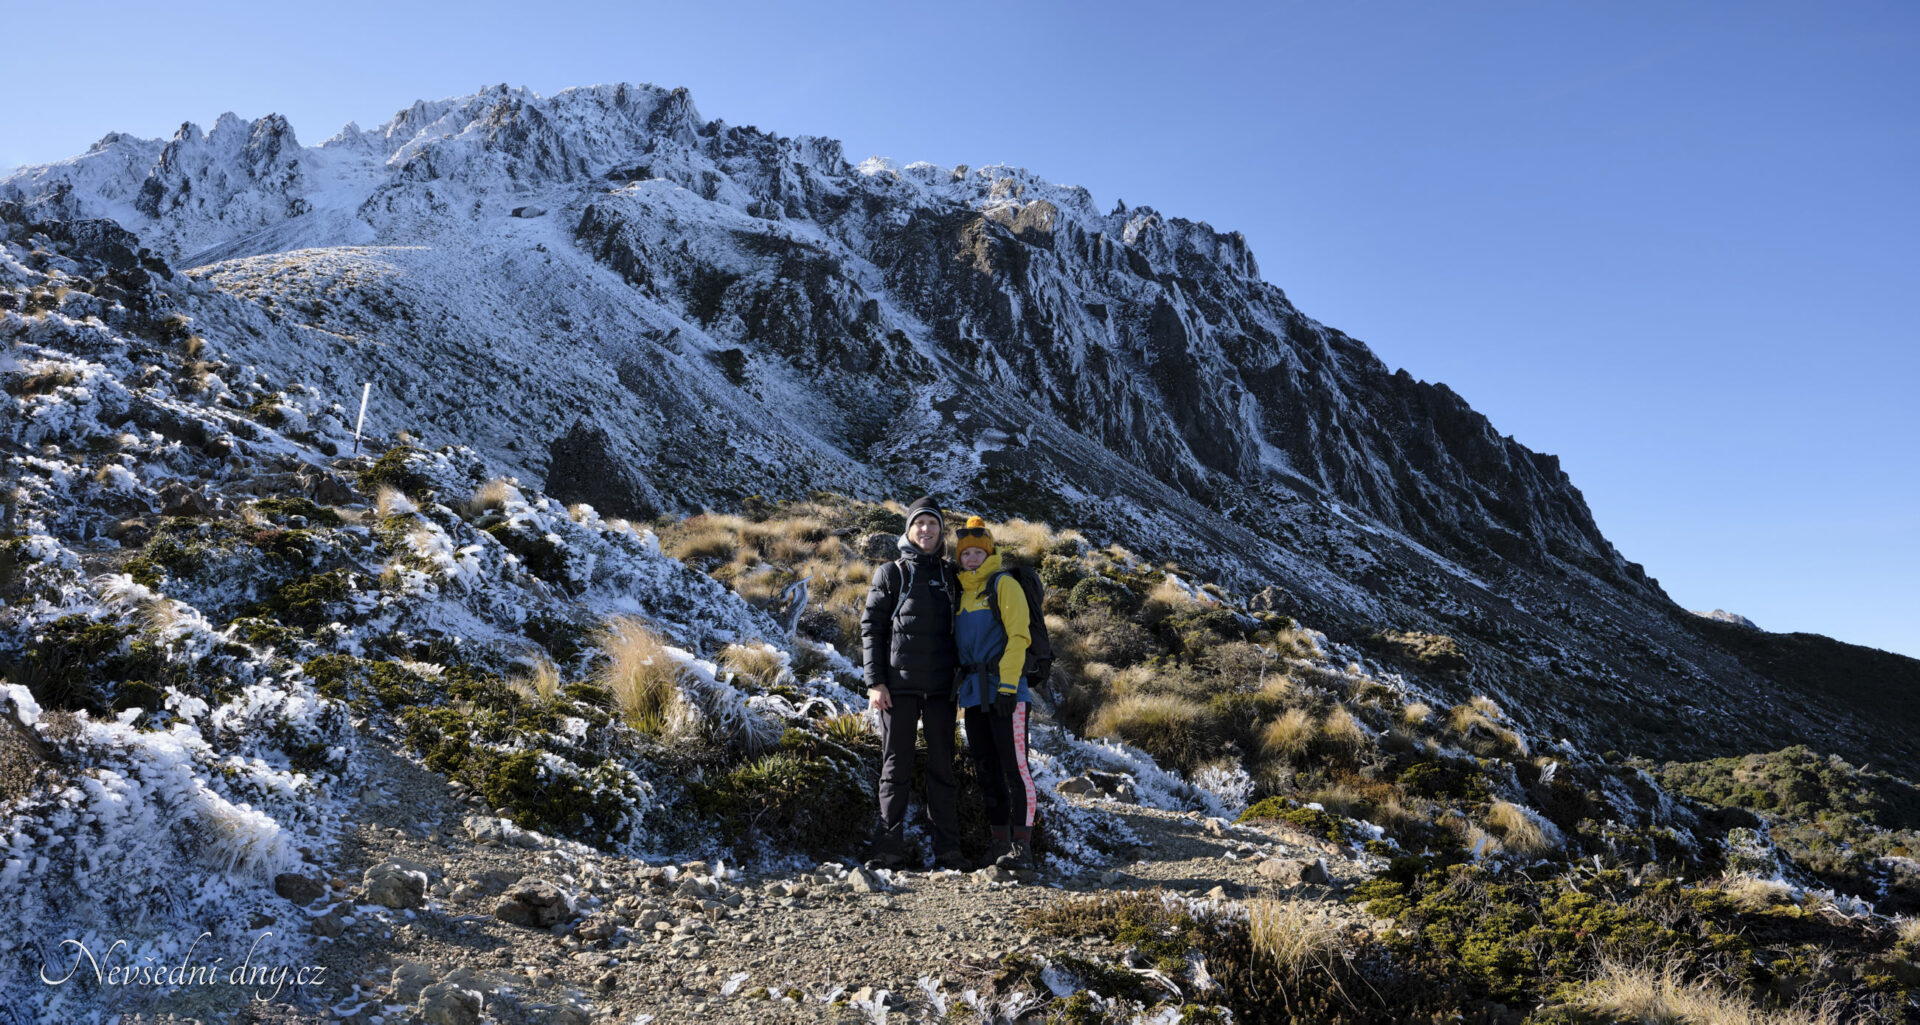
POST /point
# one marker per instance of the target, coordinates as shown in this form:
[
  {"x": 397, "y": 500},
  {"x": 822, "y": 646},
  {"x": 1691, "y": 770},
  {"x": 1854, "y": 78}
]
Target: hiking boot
[
  {"x": 999, "y": 839},
  {"x": 1019, "y": 855},
  {"x": 950, "y": 861},
  {"x": 887, "y": 859}
]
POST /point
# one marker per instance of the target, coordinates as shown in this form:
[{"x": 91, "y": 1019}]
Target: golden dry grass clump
[
  {"x": 1175, "y": 730},
  {"x": 1346, "y": 740},
  {"x": 1521, "y": 831},
  {"x": 388, "y": 501},
  {"x": 1908, "y": 931},
  {"x": 1303, "y": 943},
  {"x": 1290, "y": 736},
  {"x": 1479, "y": 724},
  {"x": 759, "y": 664},
  {"x": 488, "y": 497},
  {"x": 1660, "y": 993},
  {"x": 1167, "y": 599},
  {"x": 540, "y": 683},
  {"x": 1023, "y": 541},
  {"x": 1751, "y": 893},
  {"x": 643, "y": 679}
]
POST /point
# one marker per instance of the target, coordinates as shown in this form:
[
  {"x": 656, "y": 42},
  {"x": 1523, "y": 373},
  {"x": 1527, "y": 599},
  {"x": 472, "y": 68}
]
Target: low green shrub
[
  {"x": 791, "y": 801},
  {"x": 1102, "y": 594},
  {"x": 394, "y": 470}
]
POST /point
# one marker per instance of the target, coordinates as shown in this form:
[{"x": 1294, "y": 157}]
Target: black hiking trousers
[
  {"x": 897, "y": 727},
  {"x": 999, "y": 747}
]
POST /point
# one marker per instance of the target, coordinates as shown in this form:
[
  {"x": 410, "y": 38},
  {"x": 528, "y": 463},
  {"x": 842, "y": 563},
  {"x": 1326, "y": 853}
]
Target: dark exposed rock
[
  {"x": 298, "y": 888},
  {"x": 582, "y": 468}
]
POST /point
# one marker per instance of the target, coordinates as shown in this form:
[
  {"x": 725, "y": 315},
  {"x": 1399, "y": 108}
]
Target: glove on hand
[{"x": 1004, "y": 703}]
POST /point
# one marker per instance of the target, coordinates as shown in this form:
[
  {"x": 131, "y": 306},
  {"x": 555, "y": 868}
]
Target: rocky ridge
[{"x": 703, "y": 311}]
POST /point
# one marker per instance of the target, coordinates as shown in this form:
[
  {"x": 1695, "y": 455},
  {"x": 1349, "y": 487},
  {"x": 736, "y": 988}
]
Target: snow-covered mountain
[{"x": 631, "y": 305}]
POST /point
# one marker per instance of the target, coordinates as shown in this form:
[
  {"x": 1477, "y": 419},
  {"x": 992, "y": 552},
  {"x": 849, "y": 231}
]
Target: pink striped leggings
[{"x": 999, "y": 748}]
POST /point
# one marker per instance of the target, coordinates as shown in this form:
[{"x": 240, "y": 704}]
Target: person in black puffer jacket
[{"x": 906, "y": 642}]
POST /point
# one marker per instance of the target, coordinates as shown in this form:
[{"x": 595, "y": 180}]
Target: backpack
[{"x": 1040, "y": 647}]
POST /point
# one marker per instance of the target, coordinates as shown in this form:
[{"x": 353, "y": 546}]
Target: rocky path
[{"x": 432, "y": 910}]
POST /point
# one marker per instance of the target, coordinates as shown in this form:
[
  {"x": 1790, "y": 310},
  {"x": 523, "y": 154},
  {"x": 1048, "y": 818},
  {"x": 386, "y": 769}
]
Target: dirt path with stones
[{"x": 408, "y": 915}]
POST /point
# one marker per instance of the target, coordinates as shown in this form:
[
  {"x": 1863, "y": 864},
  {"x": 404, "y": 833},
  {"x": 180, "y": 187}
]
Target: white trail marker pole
[{"x": 365, "y": 390}]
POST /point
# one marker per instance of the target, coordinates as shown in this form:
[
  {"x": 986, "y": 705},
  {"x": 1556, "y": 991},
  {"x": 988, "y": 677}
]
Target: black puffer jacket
[{"x": 906, "y": 632}]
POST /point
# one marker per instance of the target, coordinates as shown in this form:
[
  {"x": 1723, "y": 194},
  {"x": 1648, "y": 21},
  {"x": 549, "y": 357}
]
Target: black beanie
[{"x": 925, "y": 504}]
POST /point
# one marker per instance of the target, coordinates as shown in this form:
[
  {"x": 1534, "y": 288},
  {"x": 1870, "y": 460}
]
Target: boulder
[
  {"x": 1076, "y": 785},
  {"x": 329, "y": 925},
  {"x": 397, "y": 884},
  {"x": 1295, "y": 871},
  {"x": 449, "y": 1003},
  {"x": 299, "y": 889},
  {"x": 408, "y": 980},
  {"x": 177, "y": 499},
  {"x": 597, "y": 929},
  {"x": 536, "y": 904}
]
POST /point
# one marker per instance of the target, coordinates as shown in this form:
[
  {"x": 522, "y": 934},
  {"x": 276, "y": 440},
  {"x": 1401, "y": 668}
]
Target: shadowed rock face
[
  {"x": 709, "y": 311},
  {"x": 582, "y": 468}
]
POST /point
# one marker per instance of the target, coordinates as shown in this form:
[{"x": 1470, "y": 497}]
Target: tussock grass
[
  {"x": 1293, "y": 642},
  {"x": 388, "y": 501},
  {"x": 1479, "y": 724},
  {"x": 1166, "y": 600},
  {"x": 1522, "y": 831},
  {"x": 1909, "y": 932},
  {"x": 489, "y": 496},
  {"x": 760, "y": 664},
  {"x": 1101, "y": 636},
  {"x": 45, "y": 382},
  {"x": 1301, "y": 942},
  {"x": 157, "y": 613},
  {"x": 197, "y": 375},
  {"x": 643, "y": 679},
  {"x": 1345, "y": 738},
  {"x": 540, "y": 683},
  {"x": 1242, "y": 663},
  {"x": 710, "y": 541},
  {"x": 1175, "y": 730},
  {"x": 1338, "y": 798},
  {"x": 1751, "y": 893},
  {"x": 1290, "y": 735},
  {"x": 1416, "y": 713},
  {"x": 1023, "y": 541},
  {"x": 1401, "y": 818},
  {"x": 1645, "y": 993}
]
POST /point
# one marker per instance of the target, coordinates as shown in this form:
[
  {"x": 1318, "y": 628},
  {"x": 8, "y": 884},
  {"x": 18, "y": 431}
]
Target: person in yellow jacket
[{"x": 993, "y": 690}]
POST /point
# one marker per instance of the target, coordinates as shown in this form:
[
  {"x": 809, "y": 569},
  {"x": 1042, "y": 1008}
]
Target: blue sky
[{"x": 1672, "y": 244}]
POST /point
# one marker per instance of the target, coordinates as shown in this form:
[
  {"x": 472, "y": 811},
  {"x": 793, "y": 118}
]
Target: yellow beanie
[{"x": 974, "y": 535}]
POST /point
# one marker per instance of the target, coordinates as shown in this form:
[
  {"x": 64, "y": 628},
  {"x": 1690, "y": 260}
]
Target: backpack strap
[
  {"x": 993, "y": 596},
  {"x": 993, "y": 603},
  {"x": 903, "y": 580}
]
